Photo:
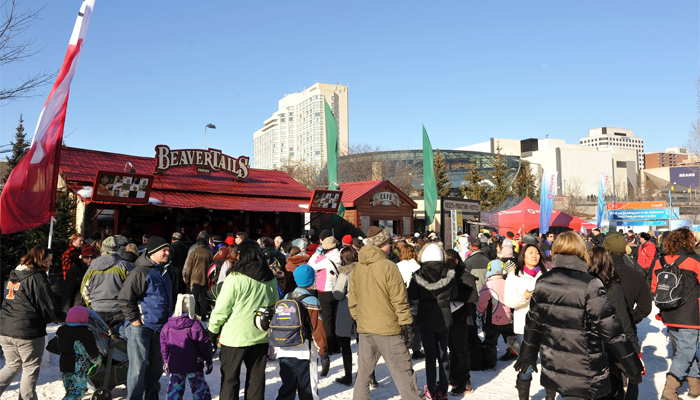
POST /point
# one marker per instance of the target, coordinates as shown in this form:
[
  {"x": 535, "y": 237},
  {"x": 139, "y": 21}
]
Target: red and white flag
[{"x": 28, "y": 199}]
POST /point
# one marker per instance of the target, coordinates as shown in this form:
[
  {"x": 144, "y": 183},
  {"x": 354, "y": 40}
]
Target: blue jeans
[
  {"x": 145, "y": 362},
  {"x": 685, "y": 362},
  {"x": 435, "y": 346},
  {"x": 527, "y": 376}
]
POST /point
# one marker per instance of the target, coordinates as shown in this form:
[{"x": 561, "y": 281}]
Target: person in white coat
[
  {"x": 520, "y": 284},
  {"x": 326, "y": 265}
]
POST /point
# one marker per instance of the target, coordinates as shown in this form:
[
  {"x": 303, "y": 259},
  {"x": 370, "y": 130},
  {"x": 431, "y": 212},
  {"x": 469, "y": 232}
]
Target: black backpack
[
  {"x": 289, "y": 322},
  {"x": 671, "y": 289}
]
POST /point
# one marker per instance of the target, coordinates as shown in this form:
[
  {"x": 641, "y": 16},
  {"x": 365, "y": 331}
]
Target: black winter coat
[
  {"x": 71, "y": 286},
  {"x": 636, "y": 288},
  {"x": 434, "y": 286},
  {"x": 28, "y": 304},
  {"x": 616, "y": 294},
  {"x": 467, "y": 294},
  {"x": 67, "y": 336},
  {"x": 573, "y": 321}
]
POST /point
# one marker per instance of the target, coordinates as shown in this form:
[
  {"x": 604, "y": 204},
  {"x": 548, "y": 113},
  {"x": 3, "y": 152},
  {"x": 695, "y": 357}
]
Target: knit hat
[
  {"x": 78, "y": 315},
  {"x": 432, "y": 252},
  {"x": 347, "y": 239},
  {"x": 155, "y": 244},
  {"x": 377, "y": 236},
  {"x": 110, "y": 245},
  {"x": 329, "y": 243},
  {"x": 300, "y": 243},
  {"x": 507, "y": 249},
  {"x": 615, "y": 243},
  {"x": 126, "y": 233},
  {"x": 230, "y": 240},
  {"x": 494, "y": 267},
  {"x": 304, "y": 275},
  {"x": 89, "y": 251},
  {"x": 324, "y": 234}
]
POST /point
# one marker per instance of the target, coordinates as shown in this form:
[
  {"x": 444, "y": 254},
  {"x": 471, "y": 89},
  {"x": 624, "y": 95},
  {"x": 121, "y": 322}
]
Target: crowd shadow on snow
[{"x": 644, "y": 328}]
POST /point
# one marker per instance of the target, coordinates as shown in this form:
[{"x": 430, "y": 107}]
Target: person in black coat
[
  {"x": 434, "y": 286},
  {"x": 74, "y": 277},
  {"x": 568, "y": 302},
  {"x": 602, "y": 268}
]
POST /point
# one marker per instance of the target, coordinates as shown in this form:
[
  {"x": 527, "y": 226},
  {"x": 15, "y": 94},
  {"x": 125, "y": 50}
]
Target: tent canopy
[{"x": 525, "y": 217}]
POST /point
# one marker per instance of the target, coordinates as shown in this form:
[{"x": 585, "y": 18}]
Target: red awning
[{"x": 526, "y": 216}]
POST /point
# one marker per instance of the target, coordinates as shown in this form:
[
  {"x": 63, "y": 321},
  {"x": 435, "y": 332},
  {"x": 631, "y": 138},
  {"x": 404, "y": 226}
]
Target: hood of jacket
[
  {"x": 106, "y": 261},
  {"x": 129, "y": 256},
  {"x": 333, "y": 255},
  {"x": 299, "y": 259},
  {"x": 569, "y": 262},
  {"x": 371, "y": 254},
  {"x": 22, "y": 272},
  {"x": 181, "y": 322},
  {"x": 438, "y": 284},
  {"x": 346, "y": 269},
  {"x": 254, "y": 270}
]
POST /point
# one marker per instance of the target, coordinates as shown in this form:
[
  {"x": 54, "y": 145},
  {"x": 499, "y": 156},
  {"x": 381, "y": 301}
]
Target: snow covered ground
[{"x": 492, "y": 385}]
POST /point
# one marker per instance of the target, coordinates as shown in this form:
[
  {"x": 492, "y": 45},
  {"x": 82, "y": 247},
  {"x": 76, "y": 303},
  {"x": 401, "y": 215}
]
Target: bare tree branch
[{"x": 16, "y": 49}]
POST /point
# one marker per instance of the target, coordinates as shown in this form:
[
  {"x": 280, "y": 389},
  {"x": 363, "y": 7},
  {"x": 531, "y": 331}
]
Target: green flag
[
  {"x": 332, "y": 156},
  {"x": 429, "y": 185}
]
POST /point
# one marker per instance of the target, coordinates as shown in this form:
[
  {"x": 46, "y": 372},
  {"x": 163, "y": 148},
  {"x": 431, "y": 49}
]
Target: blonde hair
[
  {"x": 131, "y": 248},
  {"x": 570, "y": 243}
]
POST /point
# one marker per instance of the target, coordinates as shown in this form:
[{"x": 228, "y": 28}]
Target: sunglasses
[{"x": 89, "y": 257}]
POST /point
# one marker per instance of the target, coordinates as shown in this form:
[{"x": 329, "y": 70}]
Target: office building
[
  {"x": 615, "y": 137},
  {"x": 672, "y": 157},
  {"x": 297, "y": 130}
]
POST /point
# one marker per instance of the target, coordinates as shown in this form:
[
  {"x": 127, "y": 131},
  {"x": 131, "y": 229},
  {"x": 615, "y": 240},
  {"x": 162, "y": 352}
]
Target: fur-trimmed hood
[
  {"x": 433, "y": 286},
  {"x": 347, "y": 269}
]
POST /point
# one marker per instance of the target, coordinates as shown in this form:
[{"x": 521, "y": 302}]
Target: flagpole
[{"x": 51, "y": 230}]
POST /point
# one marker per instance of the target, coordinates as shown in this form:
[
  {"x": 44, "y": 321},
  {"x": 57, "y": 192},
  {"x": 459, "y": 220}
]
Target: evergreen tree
[
  {"x": 19, "y": 147},
  {"x": 526, "y": 183},
  {"x": 444, "y": 186},
  {"x": 501, "y": 190},
  {"x": 475, "y": 189}
]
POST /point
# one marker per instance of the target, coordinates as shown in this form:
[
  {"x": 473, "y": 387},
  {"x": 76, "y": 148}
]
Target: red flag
[{"x": 28, "y": 199}]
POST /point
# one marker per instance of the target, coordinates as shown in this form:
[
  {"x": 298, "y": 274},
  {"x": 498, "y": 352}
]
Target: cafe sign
[
  {"x": 203, "y": 161},
  {"x": 385, "y": 199}
]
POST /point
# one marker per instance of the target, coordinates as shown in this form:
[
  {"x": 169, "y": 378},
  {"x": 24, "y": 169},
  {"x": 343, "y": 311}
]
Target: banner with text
[
  {"x": 602, "y": 186},
  {"x": 548, "y": 191},
  {"x": 647, "y": 214}
]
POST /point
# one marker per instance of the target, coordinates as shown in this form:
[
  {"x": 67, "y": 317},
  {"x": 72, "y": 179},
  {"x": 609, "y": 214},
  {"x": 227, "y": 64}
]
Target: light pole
[{"x": 210, "y": 126}]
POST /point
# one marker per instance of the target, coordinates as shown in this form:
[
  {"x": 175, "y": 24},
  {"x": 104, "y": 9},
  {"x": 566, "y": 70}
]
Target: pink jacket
[{"x": 494, "y": 290}]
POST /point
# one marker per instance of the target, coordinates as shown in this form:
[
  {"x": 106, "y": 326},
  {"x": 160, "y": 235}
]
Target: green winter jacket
[{"x": 243, "y": 293}]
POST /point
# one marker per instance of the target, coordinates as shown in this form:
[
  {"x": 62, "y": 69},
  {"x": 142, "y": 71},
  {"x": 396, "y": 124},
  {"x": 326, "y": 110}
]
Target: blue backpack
[{"x": 290, "y": 326}]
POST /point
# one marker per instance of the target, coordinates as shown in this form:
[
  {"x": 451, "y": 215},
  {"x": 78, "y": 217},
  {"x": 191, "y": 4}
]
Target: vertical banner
[
  {"x": 602, "y": 186},
  {"x": 547, "y": 191},
  {"x": 332, "y": 157},
  {"x": 453, "y": 228},
  {"x": 429, "y": 184}
]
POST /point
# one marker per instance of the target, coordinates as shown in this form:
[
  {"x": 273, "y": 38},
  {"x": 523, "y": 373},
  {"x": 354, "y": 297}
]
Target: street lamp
[{"x": 210, "y": 126}]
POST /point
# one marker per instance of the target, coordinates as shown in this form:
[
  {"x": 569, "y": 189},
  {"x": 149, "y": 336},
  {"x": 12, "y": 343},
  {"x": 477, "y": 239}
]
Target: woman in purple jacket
[{"x": 186, "y": 350}]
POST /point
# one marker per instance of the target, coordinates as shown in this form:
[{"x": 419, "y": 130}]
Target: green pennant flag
[
  {"x": 429, "y": 184},
  {"x": 332, "y": 157}
]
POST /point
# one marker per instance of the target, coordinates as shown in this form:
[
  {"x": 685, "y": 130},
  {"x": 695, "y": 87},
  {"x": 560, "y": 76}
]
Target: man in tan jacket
[
  {"x": 198, "y": 264},
  {"x": 378, "y": 303}
]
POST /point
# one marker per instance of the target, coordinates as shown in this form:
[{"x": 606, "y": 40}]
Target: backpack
[
  {"x": 213, "y": 273},
  {"x": 289, "y": 325},
  {"x": 670, "y": 286}
]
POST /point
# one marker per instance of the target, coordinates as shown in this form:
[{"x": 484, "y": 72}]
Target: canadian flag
[{"x": 28, "y": 199}]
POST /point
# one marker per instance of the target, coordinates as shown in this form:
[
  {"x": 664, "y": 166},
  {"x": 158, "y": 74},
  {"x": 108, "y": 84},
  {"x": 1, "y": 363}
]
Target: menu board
[
  {"x": 325, "y": 201},
  {"x": 122, "y": 187}
]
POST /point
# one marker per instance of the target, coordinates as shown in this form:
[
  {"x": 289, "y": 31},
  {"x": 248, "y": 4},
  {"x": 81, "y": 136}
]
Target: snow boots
[
  {"x": 671, "y": 389},
  {"x": 523, "y": 389},
  {"x": 550, "y": 394},
  {"x": 347, "y": 365},
  {"x": 694, "y": 384}
]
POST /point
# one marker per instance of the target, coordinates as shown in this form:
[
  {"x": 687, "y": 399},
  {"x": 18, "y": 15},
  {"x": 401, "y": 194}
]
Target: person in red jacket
[
  {"x": 72, "y": 254},
  {"x": 646, "y": 251},
  {"x": 683, "y": 322}
]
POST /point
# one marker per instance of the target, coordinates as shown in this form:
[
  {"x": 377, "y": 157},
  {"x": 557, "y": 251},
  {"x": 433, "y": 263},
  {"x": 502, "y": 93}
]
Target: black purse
[{"x": 52, "y": 346}]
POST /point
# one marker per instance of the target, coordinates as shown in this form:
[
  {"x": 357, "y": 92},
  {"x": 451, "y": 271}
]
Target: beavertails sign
[{"x": 203, "y": 161}]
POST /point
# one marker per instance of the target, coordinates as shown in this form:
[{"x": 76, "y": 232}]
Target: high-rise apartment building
[
  {"x": 672, "y": 157},
  {"x": 297, "y": 130},
  {"x": 615, "y": 137}
]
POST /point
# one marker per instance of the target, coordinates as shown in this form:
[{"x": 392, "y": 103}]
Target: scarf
[{"x": 531, "y": 272}]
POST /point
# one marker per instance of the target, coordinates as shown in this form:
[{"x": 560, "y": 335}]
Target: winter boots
[
  {"x": 523, "y": 389},
  {"x": 347, "y": 365},
  {"x": 694, "y": 384},
  {"x": 671, "y": 389},
  {"x": 550, "y": 394}
]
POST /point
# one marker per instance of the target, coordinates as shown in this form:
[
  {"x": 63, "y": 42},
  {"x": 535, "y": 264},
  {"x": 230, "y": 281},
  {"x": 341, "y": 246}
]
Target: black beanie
[
  {"x": 156, "y": 243},
  {"x": 324, "y": 234}
]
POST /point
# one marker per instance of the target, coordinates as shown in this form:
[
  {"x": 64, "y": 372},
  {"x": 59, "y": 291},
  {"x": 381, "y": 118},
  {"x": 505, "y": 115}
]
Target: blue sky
[{"x": 156, "y": 72}]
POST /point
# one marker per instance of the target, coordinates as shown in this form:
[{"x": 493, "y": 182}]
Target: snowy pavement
[{"x": 492, "y": 385}]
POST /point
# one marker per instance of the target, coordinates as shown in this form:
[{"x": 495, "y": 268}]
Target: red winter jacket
[
  {"x": 687, "y": 315},
  {"x": 645, "y": 254}
]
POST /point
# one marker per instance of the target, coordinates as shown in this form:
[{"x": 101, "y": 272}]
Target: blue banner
[
  {"x": 663, "y": 213},
  {"x": 547, "y": 193},
  {"x": 645, "y": 223},
  {"x": 601, "y": 198}
]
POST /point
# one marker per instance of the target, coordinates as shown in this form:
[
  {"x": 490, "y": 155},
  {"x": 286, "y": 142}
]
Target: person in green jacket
[{"x": 250, "y": 285}]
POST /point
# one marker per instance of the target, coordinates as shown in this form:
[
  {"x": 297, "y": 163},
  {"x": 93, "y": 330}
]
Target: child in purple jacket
[{"x": 185, "y": 348}]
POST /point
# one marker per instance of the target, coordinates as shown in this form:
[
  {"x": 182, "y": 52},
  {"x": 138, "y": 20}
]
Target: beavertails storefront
[
  {"x": 183, "y": 191},
  {"x": 378, "y": 203}
]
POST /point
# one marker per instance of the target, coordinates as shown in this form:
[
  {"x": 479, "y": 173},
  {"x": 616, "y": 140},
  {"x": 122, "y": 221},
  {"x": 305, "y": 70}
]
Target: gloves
[
  {"x": 325, "y": 364},
  {"x": 522, "y": 365},
  {"x": 210, "y": 368},
  {"x": 165, "y": 369},
  {"x": 644, "y": 367},
  {"x": 213, "y": 340},
  {"x": 407, "y": 335},
  {"x": 637, "y": 379}
]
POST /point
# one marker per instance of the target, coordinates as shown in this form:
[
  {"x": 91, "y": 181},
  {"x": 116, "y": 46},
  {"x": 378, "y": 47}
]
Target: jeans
[
  {"x": 21, "y": 355},
  {"x": 460, "y": 360},
  {"x": 435, "y": 345},
  {"x": 397, "y": 359},
  {"x": 145, "y": 362},
  {"x": 295, "y": 375},
  {"x": 685, "y": 362},
  {"x": 109, "y": 316},
  {"x": 527, "y": 376},
  {"x": 231, "y": 358}
]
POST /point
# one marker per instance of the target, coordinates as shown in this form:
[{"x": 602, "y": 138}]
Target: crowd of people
[{"x": 571, "y": 301}]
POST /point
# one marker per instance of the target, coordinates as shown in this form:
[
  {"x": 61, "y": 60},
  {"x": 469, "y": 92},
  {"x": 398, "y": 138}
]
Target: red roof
[
  {"x": 263, "y": 190},
  {"x": 354, "y": 192}
]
